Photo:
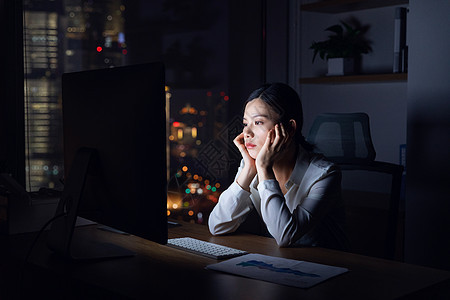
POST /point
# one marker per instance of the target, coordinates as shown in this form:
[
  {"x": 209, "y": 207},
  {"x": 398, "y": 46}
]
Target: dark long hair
[{"x": 285, "y": 101}]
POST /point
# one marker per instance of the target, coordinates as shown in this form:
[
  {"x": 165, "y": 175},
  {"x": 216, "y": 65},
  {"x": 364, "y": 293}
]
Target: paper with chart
[{"x": 278, "y": 270}]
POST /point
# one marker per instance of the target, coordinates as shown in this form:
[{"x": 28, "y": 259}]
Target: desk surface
[{"x": 161, "y": 270}]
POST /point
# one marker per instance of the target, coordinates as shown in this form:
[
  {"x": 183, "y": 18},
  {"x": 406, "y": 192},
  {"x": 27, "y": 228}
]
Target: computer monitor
[{"x": 114, "y": 125}]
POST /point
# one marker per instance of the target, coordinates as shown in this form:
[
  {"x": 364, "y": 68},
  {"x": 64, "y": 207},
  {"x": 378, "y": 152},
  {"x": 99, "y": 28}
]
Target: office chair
[{"x": 345, "y": 139}]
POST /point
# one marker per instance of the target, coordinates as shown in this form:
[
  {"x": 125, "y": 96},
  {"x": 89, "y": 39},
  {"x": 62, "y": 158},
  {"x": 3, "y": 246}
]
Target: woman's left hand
[{"x": 276, "y": 142}]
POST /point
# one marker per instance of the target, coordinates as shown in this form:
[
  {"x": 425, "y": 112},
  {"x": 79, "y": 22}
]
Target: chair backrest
[{"x": 343, "y": 137}]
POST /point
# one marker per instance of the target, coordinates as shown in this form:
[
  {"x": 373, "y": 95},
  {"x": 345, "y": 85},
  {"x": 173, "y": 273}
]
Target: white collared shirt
[{"x": 310, "y": 213}]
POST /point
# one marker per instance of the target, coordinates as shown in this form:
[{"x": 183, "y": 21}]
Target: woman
[{"x": 296, "y": 193}]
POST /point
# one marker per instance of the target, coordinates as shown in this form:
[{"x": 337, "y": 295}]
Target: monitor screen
[{"x": 120, "y": 113}]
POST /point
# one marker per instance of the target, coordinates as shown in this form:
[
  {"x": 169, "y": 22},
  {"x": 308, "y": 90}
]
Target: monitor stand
[{"x": 61, "y": 238}]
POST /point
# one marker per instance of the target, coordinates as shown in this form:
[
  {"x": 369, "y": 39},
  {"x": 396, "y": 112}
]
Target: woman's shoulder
[
  {"x": 319, "y": 161},
  {"x": 312, "y": 167},
  {"x": 315, "y": 164}
]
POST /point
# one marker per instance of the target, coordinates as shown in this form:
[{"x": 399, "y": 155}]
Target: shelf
[
  {"x": 340, "y": 6},
  {"x": 366, "y": 78}
]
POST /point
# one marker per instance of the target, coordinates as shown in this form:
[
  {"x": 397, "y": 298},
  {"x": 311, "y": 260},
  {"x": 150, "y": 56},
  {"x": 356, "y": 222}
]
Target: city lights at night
[
  {"x": 51, "y": 29},
  {"x": 80, "y": 35},
  {"x": 193, "y": 193}
]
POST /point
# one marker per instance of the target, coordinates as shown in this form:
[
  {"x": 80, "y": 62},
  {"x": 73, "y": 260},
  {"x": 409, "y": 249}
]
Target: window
[
  {"x": 191, "y": 37},
  {"x": 42, "y": 67}
]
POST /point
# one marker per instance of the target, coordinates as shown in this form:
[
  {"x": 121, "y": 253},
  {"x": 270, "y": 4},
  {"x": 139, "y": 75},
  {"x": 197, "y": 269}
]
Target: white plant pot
[{"x": 340, "y": 66}]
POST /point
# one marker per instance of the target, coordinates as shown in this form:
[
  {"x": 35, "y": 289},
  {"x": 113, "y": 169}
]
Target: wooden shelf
[
  {"x": 340, "y": 6},
  {"x": 366, "y": 78}
]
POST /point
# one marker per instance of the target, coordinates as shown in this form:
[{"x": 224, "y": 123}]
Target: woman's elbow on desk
[
  {"x": 284, "y": 238},
  {"x": 283, "y": 242},
  {"x": 215, "y": 230},
  {"x": 219, "y": 228},
  {"x": 212, "y": 227}
]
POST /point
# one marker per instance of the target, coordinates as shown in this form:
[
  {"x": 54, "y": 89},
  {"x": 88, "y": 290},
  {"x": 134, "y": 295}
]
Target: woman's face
[{"x": 259, "y": 118}]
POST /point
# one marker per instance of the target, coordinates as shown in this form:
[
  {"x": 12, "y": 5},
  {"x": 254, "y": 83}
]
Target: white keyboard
[{"x": 204, "y": 248}]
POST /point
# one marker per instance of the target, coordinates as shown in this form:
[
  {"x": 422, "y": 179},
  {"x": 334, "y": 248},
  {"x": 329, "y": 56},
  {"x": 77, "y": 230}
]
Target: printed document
[{"x": 283, "y": 271}]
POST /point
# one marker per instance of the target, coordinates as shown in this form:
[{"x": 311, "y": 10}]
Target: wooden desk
[{"x": 173, "y": 274}]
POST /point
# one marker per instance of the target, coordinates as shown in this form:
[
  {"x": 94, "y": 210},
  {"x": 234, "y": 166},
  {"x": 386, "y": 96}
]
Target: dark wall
[
  {"x": 12, "y": 139},
  {"x": 258, "y": 46},
  {"x": 245, "y": 50},
  {"x": 277, "y": 40},
  {"x": 427, "y": 231}
]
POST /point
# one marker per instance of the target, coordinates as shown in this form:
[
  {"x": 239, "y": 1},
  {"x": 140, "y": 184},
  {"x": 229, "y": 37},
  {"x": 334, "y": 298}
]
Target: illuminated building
[
  {"x": 43, "y": 124},
  {"x": 75, "y": 35},
  {"x": 194, "y": 188},
  {"x": 94, "y": 34},
  {"x": 62, "y": 36}
]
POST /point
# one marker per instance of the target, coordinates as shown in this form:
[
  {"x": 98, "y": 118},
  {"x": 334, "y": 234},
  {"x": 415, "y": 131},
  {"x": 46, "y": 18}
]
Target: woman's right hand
[
  {"x": 249, "y": 170},
  {"x": 240, "y": 144}
]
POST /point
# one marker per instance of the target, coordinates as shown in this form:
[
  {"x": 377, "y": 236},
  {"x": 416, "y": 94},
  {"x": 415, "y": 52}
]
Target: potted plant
[{"x": 344, "y": 48}]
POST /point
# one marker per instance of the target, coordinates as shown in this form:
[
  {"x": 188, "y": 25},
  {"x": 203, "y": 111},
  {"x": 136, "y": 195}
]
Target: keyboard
[{"x": 207, "y": 249}]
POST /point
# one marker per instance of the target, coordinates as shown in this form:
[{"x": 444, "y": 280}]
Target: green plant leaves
[{"x": 346, "y": 41}]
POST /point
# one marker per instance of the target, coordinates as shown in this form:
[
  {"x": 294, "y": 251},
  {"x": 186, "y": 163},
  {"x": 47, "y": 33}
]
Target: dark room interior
[{"x": 200, "y": 60}]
